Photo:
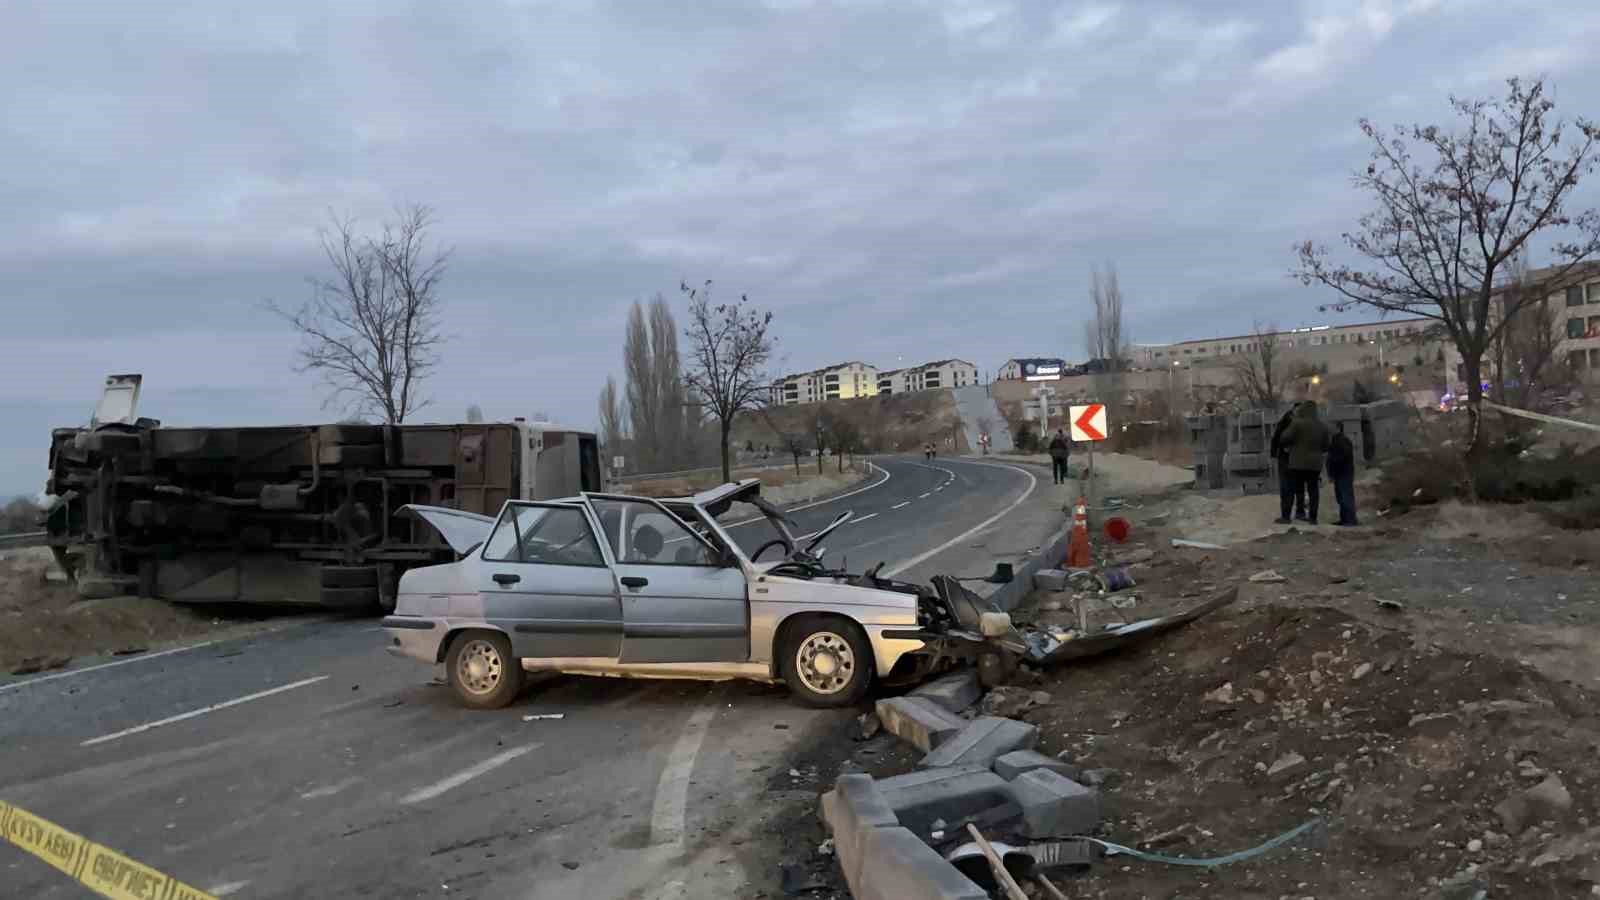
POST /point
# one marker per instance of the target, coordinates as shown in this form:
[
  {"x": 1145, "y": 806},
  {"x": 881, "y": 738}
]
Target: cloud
[{"x": 891, "y": 179}]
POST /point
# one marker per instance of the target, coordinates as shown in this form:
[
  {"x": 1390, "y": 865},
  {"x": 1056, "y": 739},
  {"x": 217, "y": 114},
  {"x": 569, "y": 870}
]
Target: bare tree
[
  {"x": 655, "y": 389},
  {"x": 371, "y": 329},
  {"x": 1522, "y": 357},
  {"x": 1446, "y": 226},
  {"x": 728, "y": 351},
  {"x": 613, "y": 421},
  {"x": 1103, "y": 335},
  {"x": 1258, "y": 372}
]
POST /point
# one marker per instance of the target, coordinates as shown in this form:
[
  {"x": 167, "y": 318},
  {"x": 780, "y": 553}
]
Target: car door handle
[
  {"x": 506, "y": 578},
  {"x": 634, "y": 581}
]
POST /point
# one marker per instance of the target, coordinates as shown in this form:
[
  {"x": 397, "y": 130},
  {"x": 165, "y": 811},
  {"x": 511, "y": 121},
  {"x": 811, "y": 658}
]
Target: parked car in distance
[{"x": 609, "y": 584}]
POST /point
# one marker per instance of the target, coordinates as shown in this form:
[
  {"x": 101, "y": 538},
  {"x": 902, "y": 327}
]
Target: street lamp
[{"x": 1316, "y": 379}]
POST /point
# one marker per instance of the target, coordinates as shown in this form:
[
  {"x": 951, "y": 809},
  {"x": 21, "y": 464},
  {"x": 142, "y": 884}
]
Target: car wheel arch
[
  {"x": 784, "y": 633},
  {"x": 455, "y": 633}
]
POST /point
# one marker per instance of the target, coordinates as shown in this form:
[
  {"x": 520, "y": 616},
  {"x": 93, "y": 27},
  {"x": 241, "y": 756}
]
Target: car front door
[
  {"x": 545, "y": 582},
  {"x": 682, "y": 601}
]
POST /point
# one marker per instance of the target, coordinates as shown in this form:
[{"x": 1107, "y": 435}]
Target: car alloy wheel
[
  {"x": 825, "y": 662},
  {"x": 479, "y": 668}
]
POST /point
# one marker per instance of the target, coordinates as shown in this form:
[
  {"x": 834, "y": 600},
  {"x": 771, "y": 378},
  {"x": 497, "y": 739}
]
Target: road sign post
[{"x": 1088, "y": 424}]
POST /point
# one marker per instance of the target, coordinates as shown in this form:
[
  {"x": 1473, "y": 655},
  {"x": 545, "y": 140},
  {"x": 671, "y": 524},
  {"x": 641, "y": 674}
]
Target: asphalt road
[{"x": 309, "y": 763}]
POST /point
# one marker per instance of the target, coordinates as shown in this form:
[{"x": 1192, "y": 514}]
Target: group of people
[{"x": 1302, "y": 445}]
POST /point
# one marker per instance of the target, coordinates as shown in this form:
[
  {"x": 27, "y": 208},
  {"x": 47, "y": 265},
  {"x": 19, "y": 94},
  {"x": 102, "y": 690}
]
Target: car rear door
[
  {"x": 544, "y": 580},
  {"x": 682, "y": 601}
]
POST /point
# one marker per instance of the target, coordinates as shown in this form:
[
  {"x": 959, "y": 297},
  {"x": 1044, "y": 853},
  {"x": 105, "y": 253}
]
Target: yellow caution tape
[{"x": 100, "y": 869}]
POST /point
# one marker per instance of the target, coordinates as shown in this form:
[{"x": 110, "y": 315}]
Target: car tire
[
  {"x": 827, "y": 662},
  {"x": 482, "y": 671}
]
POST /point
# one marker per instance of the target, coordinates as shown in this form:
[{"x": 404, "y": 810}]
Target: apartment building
[
  {"x": 838, "y": 382},
  {"x": 1377, "y": 334},
  {"x": 1576, "y": 305},
  {"x": 941, "y": 373}
]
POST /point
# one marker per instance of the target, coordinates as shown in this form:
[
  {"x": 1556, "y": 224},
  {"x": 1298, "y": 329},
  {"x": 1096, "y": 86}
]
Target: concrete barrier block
[
  {"x": 853, "y": 808},
  {"x": 1050, "y": 580},
  {"x": 918, "y": 799},
  {"x": 954, "y": 692},
  {"x": 1054, "y": 805},
  {"x": 902, "y": 867},
  {"x": 981, "y": 742},
  {"x": 1018, "y": 762},
  {"x": 918, "y": 721}
]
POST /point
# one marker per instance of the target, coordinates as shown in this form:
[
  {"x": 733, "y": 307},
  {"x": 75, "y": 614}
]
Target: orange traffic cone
[{"x": 1078, "y": 546}]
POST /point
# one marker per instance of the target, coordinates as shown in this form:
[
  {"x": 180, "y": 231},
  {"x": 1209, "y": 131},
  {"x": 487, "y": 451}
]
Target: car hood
[{"x": 461, "y": 530}]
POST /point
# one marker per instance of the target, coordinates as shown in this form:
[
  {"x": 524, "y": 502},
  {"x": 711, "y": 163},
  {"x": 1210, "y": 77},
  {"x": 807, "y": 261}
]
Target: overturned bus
[{"x": 296, "y": 514}]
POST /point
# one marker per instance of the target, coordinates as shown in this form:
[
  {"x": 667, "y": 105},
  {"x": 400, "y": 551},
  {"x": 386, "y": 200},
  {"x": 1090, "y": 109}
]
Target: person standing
[
  {"x": 1060, "y": 454},
  {"x": 1342, "y": 472},
  {"x": 1307, "y": 440},
  {"x": 1289, "y": 499}
]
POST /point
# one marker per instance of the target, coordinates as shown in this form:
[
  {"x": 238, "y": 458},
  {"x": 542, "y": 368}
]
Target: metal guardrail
[{"x": 24, "y": 539}]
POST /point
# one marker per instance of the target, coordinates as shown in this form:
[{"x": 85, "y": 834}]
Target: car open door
[
  {"x": 544, "y": 580},
  {"x": 682, "y": 599}
]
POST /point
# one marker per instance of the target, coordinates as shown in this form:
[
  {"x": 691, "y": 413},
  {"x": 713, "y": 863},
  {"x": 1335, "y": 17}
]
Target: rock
[
  {"x": 1040, "y": 698},
  {"x": 1008, "y": 701},
  {"x": 1362, "y": 671},
  {"x": 1474, "y": 846},
  {"x": 1338, "y": 579},
  {"x": 1287, "y": 765},
  {"x": 1258, "y": 695},
  {"x": 1267, "y": 576},
  {"x": 825, "y": 848},
  {"x": 1548, "y": 799},
  {"x": 1386, "y": 603},
  {"x": 1099, "y": 777},
  {"x": 1222, "y": 694},
  {"x": 868, "y": 726}
]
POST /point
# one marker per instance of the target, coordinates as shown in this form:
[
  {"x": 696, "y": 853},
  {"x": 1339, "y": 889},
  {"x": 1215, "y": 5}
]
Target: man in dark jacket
[
  {"x": 1289, "y": 500},
  {"x": 1060, "y": 454},
  {"x": 1342, "y": 472},
  {"x": 1307, "y": 440}
]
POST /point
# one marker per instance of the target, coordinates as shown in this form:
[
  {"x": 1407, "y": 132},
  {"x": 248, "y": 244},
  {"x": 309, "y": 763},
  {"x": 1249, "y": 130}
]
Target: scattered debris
[
  {"x": 1549, "y": 799},
  {"x": 867, "y": 726},
  {"x": 1267, "y": 576},
  {"x": 532, "y": 717},
  {"x": 1362, "y": 671},
  {"x": 128, "y": 651},
  {"x": 826, "y": 847},
  {"x": 1222, "y": 694},
  {"x": 1133, "y": 557},
  {"x": 570, "y": 865},
  {"x": 1196, "y": 545},
  {"x": 1386, "y": 603},
  {"x": 1123, "y": 601},
  {"x": 1286, "y": 765}
]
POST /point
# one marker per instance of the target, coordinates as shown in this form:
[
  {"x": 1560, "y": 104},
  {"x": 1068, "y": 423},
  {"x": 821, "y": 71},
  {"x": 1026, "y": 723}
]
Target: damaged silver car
[{"x": 607, "y": 584}]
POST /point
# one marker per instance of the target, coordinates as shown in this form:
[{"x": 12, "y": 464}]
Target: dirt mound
[
  {"x": 893, "y": 424},
  {"x": 44, "y": 625},
  {"x": 1431, "y": 767}
]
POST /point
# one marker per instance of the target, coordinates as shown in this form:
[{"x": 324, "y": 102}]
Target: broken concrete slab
[
  {"x": 1018, "y": 762},
  {"x": 954, "y": 692},
  {"x": 919, "y": 799},
  {"x": 902, "y": 867},
  {"x": 1054, "y": 805},
  {"x": 854, "y": 807},
  {"x": 918, "y": 721},
  {"x": 982, "y": 741},
  {"x": 1050, "y": 580}
]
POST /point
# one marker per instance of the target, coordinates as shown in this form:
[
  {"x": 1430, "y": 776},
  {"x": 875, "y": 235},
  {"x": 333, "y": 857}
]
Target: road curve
[{"x": 307, "y": 762}]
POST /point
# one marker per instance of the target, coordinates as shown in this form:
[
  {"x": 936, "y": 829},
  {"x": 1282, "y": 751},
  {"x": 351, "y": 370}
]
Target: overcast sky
[{"x": 897, "y": 181}]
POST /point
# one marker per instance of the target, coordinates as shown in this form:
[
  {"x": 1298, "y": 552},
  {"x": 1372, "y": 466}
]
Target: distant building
[
  {"x": 1033, "y": 368},
  {"x": 1576, "y": 303},
  {"x": 839, "y": 382},
  {"x": 1156, "y": 356},
  {"x": 941, "y": 373}
]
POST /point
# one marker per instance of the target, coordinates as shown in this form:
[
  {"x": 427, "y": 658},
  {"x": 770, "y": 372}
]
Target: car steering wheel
[{"x": 788, "y": 548}]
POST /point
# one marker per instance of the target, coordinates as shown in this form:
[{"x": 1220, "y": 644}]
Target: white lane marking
[
  {"x": 201, "y": 711},
  {"x": 328, "y": 790},
  {"x": 121, "y": 662},
  {"x": 920, "y": 497},
  {"x": 864, "y": 518},
  {"x": 898, "y": 505},
  {"x": 232, "y": 887},
  {"x": 928, "y": 554},
  {"x": 791, "y": 509},
  {"x": 465, "y": 775},
  {"x": 667, "y": 823}
]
